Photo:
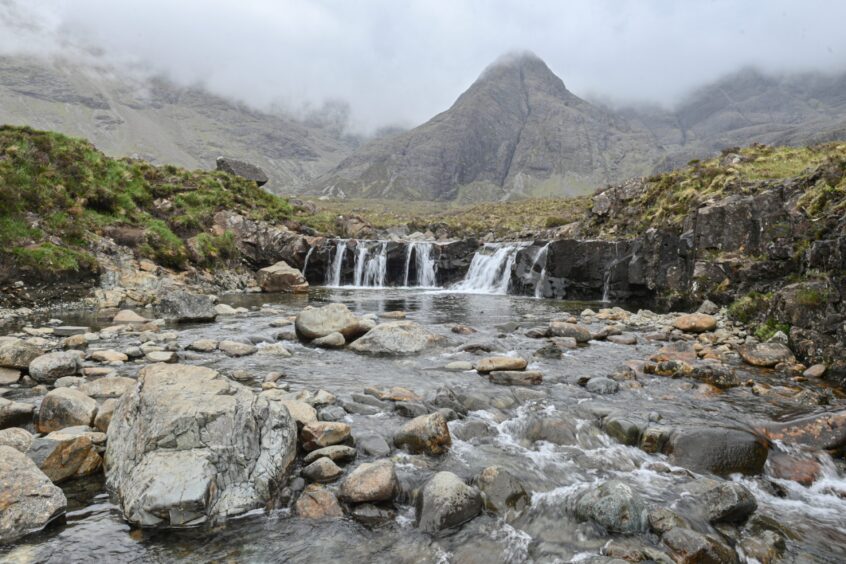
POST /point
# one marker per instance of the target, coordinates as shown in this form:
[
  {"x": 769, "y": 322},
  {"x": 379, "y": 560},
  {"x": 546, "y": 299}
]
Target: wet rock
[
  {"x": 551, "y": 429},
  {"x": 281, "y": 277},
  {"x": 49, "y": 367},
  {"x": 446, "y": 502},
  {"x": 370, "y": 482},
  {"x": 128, "y": 316},
  {"x": 462, "y": 330},
  {"x": 373, "y": 445},
  {"x": 690, "y": 547},
  {"x": 75, "y": 342},
  {"x": 826, "y": 431},
  {"x": 316, "y": 502},
  {"x": 331, "y": 413},
  {"x": 662, "y": 520},
  {"x": 17, "y": 438},
  {"x": 184, "y": 307},
  {"x": 815, "y": 371},
  {"x": 322, "y": 470},
  {"x": 695, "y": 323},
  {"x": 427, "y": 434},
  {"x": 459, "y": 366},
  {"x": 360, "y": 409},
  {"x": 236, "y": 348},
  {"x": 501, "y": 363},
  {"x": 602, "y": 385},
  {"x": 410, "y": 409},
  {"x": 394, "y": 393},
  {"x": 336, "y": 453},
  {"x": 275, "y": 349},
  {"x": 723, "y": 502},
  {"x": 654, "y": 438},
  {"x": 10, "y": 376},
  {"x": 471, "y": 429},
  {"x": 372, "y": 515},
  {"x": 108, "y": 387},
  {"x": 798, "y": 468},
  {"x": 479, "y": 347},
  {"x": 324, "y": 433},
  {"x": 13, "y": 412},
  {"x": 766, "y": 355},
  {"x": 203, "y": 345},
  {"x": 395, "y": 338},
  {"x": 108, "y": 356},
  {"x": 622, "y": 339},
  {"x": 723, "y": 377},
  {"x": 167, "y": 357},
  {"x": 766, "y": 547},
  {"x": 331, "y": 341},
  {"x": 615, "y": 506},
  {"x": 28, "y": 498},
  {"x": 573, "y": 330},
  {"x": 516, "y": 378},
  {"x": 65, "y": 407},
  {"x": 18, "y": 354},
  {"x": 550, "y": 350},
  {"x": 320, "y": 321},
  {"x": 104, "y": 415},
  {"x": 188, "y": 446},
  {"x": 65, "y": 456},
  {"x": 501, "y": 491},
  {"x": 718, "y": 450},
  {"x": 625, "y": 430}
]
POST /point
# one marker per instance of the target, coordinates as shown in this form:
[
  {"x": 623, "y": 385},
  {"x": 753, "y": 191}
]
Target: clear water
[{"x": 545, "y": 532}]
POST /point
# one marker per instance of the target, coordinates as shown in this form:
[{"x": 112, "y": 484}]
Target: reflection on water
[{"x": 556, "y": 474}]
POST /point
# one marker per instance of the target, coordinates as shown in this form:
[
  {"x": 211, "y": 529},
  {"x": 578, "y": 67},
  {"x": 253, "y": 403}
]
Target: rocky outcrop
[
  {"x": 242, "y": 169},
  {"x": 187, "y": 446},
  {"x": 261, "y": 244},
  {"x": 281, "y": 277}
]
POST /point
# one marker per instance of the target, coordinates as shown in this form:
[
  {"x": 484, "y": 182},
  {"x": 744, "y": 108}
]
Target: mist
[{"x": 399, "y": 63}]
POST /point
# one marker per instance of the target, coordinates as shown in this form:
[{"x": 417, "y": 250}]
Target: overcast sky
[{"x": 402, "y": 61}]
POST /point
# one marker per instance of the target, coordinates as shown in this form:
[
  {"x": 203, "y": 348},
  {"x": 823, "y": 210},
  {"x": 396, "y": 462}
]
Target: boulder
[
  {"x": 815, "y": 371},
  {"x": 718, "y": 450},
  {"x": 169, "y": 357},
  {"x": 615, "y": 506},
  {"x": 188, "y": 446},
  {"x": 281, "y": 277},
  {"x": 316, "y": 502},
  {"x": 336, "y": 453},
  {"x": 108, "y": 356},
  {"x": 766, "y": 355},
  {"x": 9, "y": 376},
  {"x": 17, "y": 438},
  {"x": 236, "y": 348},
  {"x": 28, "y": 499},
  {"x": 184, "y": 307},
  {"x": 331, "y": 341},
  {"x": 501, "y": 491},
  {"x": 302, "y": 412},
  {"x": 49, "y": 367},
  {"x": 242, "y": 169},
  {"x": 446, "y": 502},
  {"x": 318, "y": 322},
  {"x": 322, "y": 470},
  {"x": 427, "y": 434},
  {"x": 324, "y": 433},
  {"x": 203, "y": 345},
  {"x": 64, "y": 456},
  {"x": 696, "y": 548},
  {"x": 394, "y": 338},
  {"x": 497, "y": 363},
  {"x": 572, "y": 330},
  {"x": 825, "y": 431},
  {"x": 516, "y": 377},
  {"x": 107, "y": 387},
  {"x": 18, "y": 354},
  {"x": 370, "y": 482},
  {"x": 65, "y": 407},
  {"x": 13, "y": 412},
  {"x": 602, "y": 385},
  {"x": 104, "y": 415},
  {"x": 695, "y": 323},
  {"x": 724, "y": 502},
  {"x": 128, "y": 316}
]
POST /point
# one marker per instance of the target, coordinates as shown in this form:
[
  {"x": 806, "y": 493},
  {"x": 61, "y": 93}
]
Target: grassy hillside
[{"x": 56, "y": 191}]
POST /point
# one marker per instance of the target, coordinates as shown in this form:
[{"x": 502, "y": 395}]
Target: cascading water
[
  {"x": 609, "y": 272},
  {"x": 374, "y": 269},
  {"x": 424, "y": 264},
  {"x": 333, "y": 274},
  {"x": 541, "y": 256},
  {"x": 490, "y": 269},
  {"x": 305, "y": 262}
]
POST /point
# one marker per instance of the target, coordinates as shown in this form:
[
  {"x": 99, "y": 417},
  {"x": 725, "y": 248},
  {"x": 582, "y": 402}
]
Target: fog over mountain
[{"x": 402, "y": 62}]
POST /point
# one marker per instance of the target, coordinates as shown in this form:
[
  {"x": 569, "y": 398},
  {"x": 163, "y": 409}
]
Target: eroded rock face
[
  {"x": 445, "y": 502},
  {"x": 28, "y": 499},
  {"x": 394, "y": 338},
  {"x": 281, "y": 277},
  {"x": 188, "y": 446}
]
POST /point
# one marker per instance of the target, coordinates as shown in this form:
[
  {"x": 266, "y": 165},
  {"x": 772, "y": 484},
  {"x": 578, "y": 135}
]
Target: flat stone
[
  {"x": 168, "y": 357},
  {"x": 108, "y": 356},
  {"x": 336, "y": 453},
  {"x": 236, "y": 349},
  {"x": 324, "y": 433},
  {"x": 459, "y": 366},
  {"x": 70, "y": 330},
  {"x": 495, "y": 363},
  {"x": 128, "y": 316},
  {"x": 516, "y": 378},
  {"x": 322, "y": 470},
  {"x": 573, "y": 330},
  {"x": 108, "y": 387},
  {"x": 766, "y": 355},
  {"x": 815, "y": 371}
]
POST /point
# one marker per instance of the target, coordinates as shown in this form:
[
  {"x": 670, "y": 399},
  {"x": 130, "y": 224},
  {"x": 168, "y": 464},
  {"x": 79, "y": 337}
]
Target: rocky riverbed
[{"x": 413, "y": 426}]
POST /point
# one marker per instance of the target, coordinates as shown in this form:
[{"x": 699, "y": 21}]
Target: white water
[
  {"x": 542, "y": 255},
  {"x": 424, "y": 263},
  {"x": 334, "y": 273},
  {"x": 305, "y": 262},
  {"x": 376, "y": 267},
  {"x": 490, "y": 269},
  {"x": 609, "y": 271}
]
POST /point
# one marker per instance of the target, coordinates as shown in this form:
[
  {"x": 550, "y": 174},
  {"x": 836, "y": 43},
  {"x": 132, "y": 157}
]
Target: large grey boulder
[
  {"x": 615, "y": 506},
  {"x": 718, "y": 450},
  {"x": 65, "y": 407},
  {"x": 318, "y": 322},
  {"x": 445, "y": 502},
  {"x": 185, "y": 307},
  {"x": 281, "y": 277},
  {"x": 49, "y": 367},
  {"x": 28, "y": 498},
  {"x": 187, "y": 446},
  {"x": 242, "y": 169},
  {"x": 395, "y": 338},
  {"x": 18, "y": 354}
]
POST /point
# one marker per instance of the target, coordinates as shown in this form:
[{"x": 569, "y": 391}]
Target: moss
[
  {"x": 770, "y": 327},
  {"x": 214, "y": 249},
  {"x": 750, "y": 307},
  {"x": 812, "y": 297},
  {"x": 164, "y": 246},
  {"x": 53, "y": 259}
]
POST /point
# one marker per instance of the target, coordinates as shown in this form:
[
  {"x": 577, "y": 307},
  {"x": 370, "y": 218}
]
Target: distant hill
[{"x": 160, "y": 122}]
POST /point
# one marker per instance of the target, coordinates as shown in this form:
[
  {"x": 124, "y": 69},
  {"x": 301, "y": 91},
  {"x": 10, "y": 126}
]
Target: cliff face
[{"x": 516, "y": 132}]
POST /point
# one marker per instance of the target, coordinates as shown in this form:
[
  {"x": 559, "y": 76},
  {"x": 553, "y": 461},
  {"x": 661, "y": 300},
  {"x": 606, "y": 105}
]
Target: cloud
[{"x": 402, "y": 62}]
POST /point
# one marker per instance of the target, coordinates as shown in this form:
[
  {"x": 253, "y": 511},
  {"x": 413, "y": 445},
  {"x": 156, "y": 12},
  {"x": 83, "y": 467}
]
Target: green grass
[
  {"x": 750, "y": 307},
  {"x": 770, "y": 327}
]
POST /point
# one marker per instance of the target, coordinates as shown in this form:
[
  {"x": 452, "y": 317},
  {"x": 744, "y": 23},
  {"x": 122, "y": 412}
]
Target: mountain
[
  {"x": 516, "y": 132},
  {"x": 161, "y": 122}
]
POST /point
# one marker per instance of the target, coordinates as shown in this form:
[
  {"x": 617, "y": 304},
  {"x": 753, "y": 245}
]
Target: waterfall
[
  {"x": 333, "y": 275},
  {"x": 424, "y": 264},
  {"x": 360, "y": 258},
  {"x": 490, "y": 269},
  {"x": 374, "y": 269},
  {"x": 542, "y": 255},
  {"x": 308, "y": 256},
  {"x": 609, "y": 272}
]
